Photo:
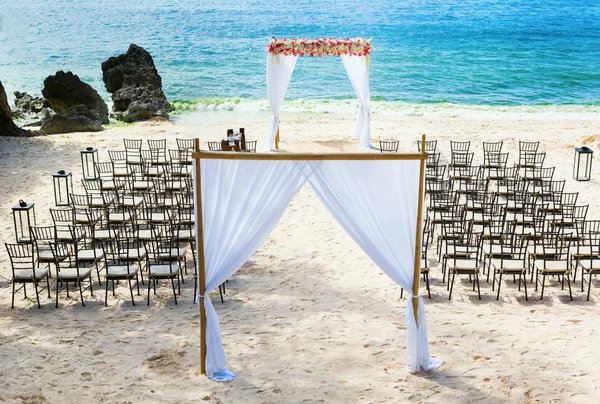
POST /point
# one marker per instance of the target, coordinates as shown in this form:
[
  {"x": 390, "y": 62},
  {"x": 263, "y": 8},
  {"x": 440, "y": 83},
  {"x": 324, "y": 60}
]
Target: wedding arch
[
  {"x": 281, "y": 60},
  {"x": 357, "y": 189}
]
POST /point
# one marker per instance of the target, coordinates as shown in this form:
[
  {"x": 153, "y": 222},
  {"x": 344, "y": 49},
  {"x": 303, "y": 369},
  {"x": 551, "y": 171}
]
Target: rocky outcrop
[
  {"x": 30, "y": 110},
  {"x": 65, "y": 90},
  {"x": 135, "y": 85},
  {"x": 70, "y": 123},
  {"x": 7, "y": 126}
]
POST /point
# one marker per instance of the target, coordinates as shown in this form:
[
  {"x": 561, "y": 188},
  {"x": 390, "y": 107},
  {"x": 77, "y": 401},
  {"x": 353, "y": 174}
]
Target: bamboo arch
[{"x": 197, "y": 155}]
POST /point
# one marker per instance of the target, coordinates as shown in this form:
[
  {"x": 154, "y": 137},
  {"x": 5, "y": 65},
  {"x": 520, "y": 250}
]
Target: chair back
[
  {"x": 214, "y": 146},
  {"x": 459, "y": 147},
  {"x": 430, "y": 146},
  {"x": 21, "y": 258},
  {"x": 388, "y": 146}
]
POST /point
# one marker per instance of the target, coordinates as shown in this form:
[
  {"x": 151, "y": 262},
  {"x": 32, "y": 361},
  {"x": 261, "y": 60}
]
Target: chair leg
[
  {"x": 113, "y": 287},
  {"x": 131, "y": 291},
  {"x": 427, "y": 283},
  {"x": 589, "y": 285},
  {"x": 149, "y": 284},
  {"x": 25, "y": 290},
  {"x": 477, "y": 280},
  {"x": 499, "y": 284},
  {"x": 451, "y": 284},
  {"x": 543, "y": 283},
  {"x": 174, "y": 292},
  {"x": 57, "y": 282},
  {"x": 12, "y": 304},
  {"x": 401, "y": 292},
  {"x": 47, "y": 286},
  {"x": 525, "y": 285},
  {"x": 137, "y": 284},
  {"x": 91, "y": 287},
  {"x": 582, "y": 279},
  {"x": 81, "y": 293},
  {"x": 569, "y": 283},
  {"x": 106, "y": 292},
  {"x": 37, "y": 294},
  {"x": 221, "y": 294}
]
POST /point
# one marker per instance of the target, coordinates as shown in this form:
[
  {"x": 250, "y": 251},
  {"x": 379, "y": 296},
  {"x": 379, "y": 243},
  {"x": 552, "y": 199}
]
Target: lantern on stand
[
  {"x": 89, "y": 158},
  {"x": 582, "y": 164},
  {"x": 24, "y": 217},
  {"x": 63, "y": 187}
]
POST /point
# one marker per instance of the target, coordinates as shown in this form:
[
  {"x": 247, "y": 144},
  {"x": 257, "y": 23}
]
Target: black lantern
[
  {"x": 582, "y": 164},
  {"x": 24, "y": 217},
  {"x": 63, "y": 187},
  {"x": 89, "y": 158}
]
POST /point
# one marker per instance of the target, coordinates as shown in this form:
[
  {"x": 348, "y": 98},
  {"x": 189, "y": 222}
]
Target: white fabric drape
[
  {"x": 279, "y": 74},
  {"x": 358, "y": 72},
  {"x": 376, "y": 203},
  {"x": 242, "y": 201}
]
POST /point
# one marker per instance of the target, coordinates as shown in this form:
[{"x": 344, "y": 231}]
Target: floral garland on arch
[{"x": 320, "y": 46}]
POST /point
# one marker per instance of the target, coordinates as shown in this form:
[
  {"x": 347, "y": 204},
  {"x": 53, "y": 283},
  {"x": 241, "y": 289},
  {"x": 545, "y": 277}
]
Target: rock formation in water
[
  {"x": 7, "y": 126},
  {"x": 66, "y": 90},
  {"x": 135, "y": 85}
]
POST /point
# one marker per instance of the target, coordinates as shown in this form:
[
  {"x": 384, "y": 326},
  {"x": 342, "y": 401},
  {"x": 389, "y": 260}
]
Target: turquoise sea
[{"x": 477, "y": 54}]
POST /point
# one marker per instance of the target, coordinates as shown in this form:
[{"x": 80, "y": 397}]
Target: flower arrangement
[{"x": 320, "y": 46}]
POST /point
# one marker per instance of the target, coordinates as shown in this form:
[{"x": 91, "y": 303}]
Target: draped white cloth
[
  {"x": 375, "y": 201},
  {"x": 279, "y": 74},
  {"x": 358, "y": 72},
  {"x": 242, "y": 201}
]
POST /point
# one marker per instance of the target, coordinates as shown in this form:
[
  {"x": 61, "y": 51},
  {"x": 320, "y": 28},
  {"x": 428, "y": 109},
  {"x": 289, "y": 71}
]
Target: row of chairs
[{"x": 490, "y": 217}]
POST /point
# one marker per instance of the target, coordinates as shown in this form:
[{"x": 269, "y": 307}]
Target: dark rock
[
  {"x": 29, "y": 110},
  {"x": 81, "y": 110},
  {"x": 70, "y": 123},
  {"x": 7, "y": 126},
  {"x": 135, "y": 85},
  {"x": 66, "y": 90},
  {"x": 25, "y": 103}
]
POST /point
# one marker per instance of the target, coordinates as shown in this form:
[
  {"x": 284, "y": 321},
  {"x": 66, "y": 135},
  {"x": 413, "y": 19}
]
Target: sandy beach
[{"x": 309, "y": 318}]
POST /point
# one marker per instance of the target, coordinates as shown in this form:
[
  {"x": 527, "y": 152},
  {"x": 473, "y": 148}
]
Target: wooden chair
[
  {"x": 511, "y": 261},
  {"x": 72, "y": 273},
  {"x": 121, "y": 258},
  {"x": 462, "y": 258},
  {"x": 430, "y": 146},
  {"x": 165, "y": 263},
  {"x": 43, "y": 236},
  {"x": 250, "y": 146},
  {"x": 554, "y": 262},
  {"x": 24, "y": 270},
  {"x": 590, "y": 264},
  {"x": 214, "y": 146},
  {"x": 388, "y": 146}
]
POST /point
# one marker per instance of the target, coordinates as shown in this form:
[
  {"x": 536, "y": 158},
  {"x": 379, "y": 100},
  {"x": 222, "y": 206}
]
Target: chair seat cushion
[
  {"x": 465, "y": 266},
  {"x": 592, "y": 265},
  {"x": 509, "y": 266},
  {"x": 37, "y": 273},
  {"x": 104, "y": 234},
  {"x": 163, "y": 270},
  {"x": 174, "y": 253},
  {"x": 558, "y": 267},
  {"x": 119, "y": 217},
  {"x": 121, "y": 270},
  {"x": 73, "y": 273},
  {"x": 133, "y": 254},
  {"x": 90, "y": 255},
  {"x": 48, "y": 256}
]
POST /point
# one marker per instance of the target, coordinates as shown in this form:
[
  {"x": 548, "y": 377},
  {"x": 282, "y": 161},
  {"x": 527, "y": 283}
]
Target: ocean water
[{"x": 446, "y": 56}]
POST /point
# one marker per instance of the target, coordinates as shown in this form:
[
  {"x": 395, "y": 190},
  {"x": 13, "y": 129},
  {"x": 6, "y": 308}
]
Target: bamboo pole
[
  {"x": 277, "y": 139},
  {"x": 417, "y": 269},
  {"x": 200, "y": 258},
  {"x": 308, "y": 156}
]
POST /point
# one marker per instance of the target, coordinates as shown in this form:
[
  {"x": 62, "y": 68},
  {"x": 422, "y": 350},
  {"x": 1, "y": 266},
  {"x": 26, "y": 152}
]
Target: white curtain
[
  {"x": 358, "y": 72},
  {"x": 279, "y": 73},
  {"x": 376, "y": 203},
  {"x": 242, "y": 201}
]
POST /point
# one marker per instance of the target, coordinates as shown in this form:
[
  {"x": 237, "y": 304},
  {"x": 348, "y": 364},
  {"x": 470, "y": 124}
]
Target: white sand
[{"x": 309, "y": 318}]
